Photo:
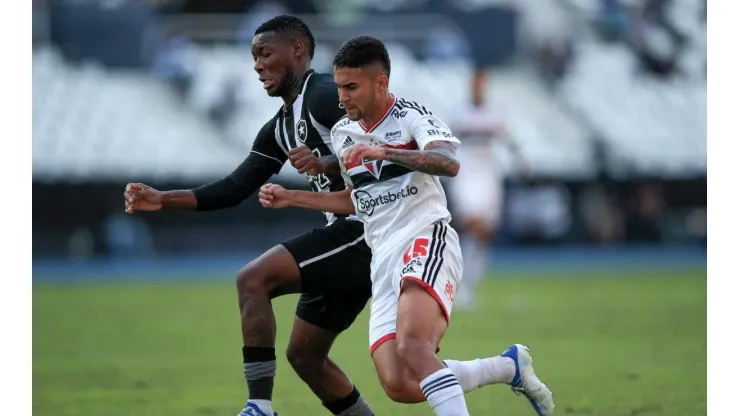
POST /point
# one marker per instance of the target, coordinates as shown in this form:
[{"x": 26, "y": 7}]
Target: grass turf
[{"x": 629, "y": 344}]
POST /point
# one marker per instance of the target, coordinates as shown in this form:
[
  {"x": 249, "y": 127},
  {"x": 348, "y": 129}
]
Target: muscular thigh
[{"x": 334, "y": 264}]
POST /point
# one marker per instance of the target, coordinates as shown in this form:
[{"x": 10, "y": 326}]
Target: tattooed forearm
[
  {"x": 437, "y": 158},
  {"x": 330, "y": 164}
]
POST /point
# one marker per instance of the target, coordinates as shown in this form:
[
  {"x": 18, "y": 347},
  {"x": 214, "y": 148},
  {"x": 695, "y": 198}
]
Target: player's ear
[
  {"x": 382, "y": 81},
  {"x": 298, "y": 48}
]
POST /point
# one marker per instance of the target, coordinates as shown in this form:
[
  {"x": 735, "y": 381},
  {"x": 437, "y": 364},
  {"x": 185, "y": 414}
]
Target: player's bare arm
[
  {"x": 438, "y": 157},
  {"x": 141, "y": 197},
  {"x": 276, "y": 197},
  {"x": 330, "y": 165}
]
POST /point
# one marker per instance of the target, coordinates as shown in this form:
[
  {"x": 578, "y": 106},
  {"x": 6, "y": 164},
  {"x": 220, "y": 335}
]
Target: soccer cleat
[
  {"x": 253, "y": 410},
  {"x": 526, "y": 383}
]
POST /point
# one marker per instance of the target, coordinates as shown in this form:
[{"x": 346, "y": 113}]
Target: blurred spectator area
[{"x": 606, "y": 98}]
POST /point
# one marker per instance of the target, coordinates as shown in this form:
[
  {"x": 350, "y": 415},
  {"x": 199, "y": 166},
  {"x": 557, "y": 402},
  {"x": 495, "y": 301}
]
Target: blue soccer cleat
[
  {"x": 252, "y": 409},
  {"x": 526, "y": 383}
]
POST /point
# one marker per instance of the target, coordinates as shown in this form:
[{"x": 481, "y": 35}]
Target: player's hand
[
  {"x": 305, "y": 161},
  {"x": 354, "y": 154},
  {"x": 274, "y": 196},
  {"x": 140, "y": 197}
]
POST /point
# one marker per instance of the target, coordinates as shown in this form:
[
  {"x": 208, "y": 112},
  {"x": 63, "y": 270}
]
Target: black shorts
[{"x": 335, "y": 274}]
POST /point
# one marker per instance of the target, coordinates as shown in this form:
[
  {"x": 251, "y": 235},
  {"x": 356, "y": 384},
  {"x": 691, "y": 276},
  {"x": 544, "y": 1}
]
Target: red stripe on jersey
[
  {"x": 408, "y": 146},
  {"x": 380, "y": 120}
]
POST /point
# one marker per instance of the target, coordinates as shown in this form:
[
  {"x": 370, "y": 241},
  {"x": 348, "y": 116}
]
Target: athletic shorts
[
  {"x": 334, "y": 262},
  {"x": 432, "y": 259}
]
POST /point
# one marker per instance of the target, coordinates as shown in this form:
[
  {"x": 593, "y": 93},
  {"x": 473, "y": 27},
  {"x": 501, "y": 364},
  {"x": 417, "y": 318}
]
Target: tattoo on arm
[
  {"x": 330, "y": 164},
  {"x": 438, "y": 158}
]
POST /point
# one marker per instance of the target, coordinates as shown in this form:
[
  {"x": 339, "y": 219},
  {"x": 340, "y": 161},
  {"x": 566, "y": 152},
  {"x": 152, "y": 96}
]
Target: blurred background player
[{"x": 478, "y": 190}]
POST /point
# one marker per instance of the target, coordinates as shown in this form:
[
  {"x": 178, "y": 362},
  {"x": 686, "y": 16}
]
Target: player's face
[
  {"x": 358, "y": 90},
  {"x": 273, "y": 61}
]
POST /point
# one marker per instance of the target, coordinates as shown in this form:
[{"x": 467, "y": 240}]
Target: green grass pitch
[{"x": 607, "y": 344}]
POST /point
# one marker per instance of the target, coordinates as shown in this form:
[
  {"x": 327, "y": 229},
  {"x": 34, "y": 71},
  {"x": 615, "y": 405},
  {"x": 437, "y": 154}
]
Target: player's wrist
[{"x": 290, "y": 197}]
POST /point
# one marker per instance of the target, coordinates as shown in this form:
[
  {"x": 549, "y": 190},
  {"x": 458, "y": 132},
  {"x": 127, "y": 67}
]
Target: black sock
[
  {"x": 352, "y": 405},
  {"x": 259, "y": 370}
]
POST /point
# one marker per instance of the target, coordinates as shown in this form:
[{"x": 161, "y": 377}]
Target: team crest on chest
[
  {"x": 302, "y": 130},
  {"x": 373, "y": 166}
]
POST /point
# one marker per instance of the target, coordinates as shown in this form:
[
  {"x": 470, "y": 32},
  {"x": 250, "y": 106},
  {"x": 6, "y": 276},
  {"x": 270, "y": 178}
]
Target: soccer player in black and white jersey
[
  {"x": 393, "y": 152},
  {"x": 329, "y": 265}
]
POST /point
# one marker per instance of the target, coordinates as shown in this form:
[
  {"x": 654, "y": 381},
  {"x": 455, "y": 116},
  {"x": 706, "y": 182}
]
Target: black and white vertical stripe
[
  {"x": 433, "y": 386},
  {"x": 436, "y": 258}
]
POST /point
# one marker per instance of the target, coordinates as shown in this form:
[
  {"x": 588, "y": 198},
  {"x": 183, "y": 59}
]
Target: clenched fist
[
  {"x": 274, "y": 196},
  {"x": 305, "y": 161},
  {"x": 140, "y": 197}
]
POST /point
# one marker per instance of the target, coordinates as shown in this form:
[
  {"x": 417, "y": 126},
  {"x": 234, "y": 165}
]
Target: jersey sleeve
[
  {"x": 265, "y": 160},
  {"x": 266, "y": 145},
  {"x": 324, "y": 103},
  {"x": 426, "y": 128}
]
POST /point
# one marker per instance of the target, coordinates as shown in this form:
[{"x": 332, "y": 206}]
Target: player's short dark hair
[
  {"x": 360, "y": 51},
  {"x": 291, "y": 26}
]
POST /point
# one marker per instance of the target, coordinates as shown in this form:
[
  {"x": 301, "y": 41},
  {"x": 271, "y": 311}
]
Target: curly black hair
[
  {"x": 359, "y": 51},
  {"x": 291, "y": 26}
]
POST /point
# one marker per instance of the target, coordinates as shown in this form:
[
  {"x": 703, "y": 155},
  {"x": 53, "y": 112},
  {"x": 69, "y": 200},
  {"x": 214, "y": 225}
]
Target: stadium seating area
[
  {"x": 86, "y": 119},
  {"x": 650, "y": 125},
  {"x": 91, "y": 123}
]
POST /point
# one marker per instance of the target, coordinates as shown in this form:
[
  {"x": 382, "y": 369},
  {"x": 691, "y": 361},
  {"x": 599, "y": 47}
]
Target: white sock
[
  {"x": 444, "y": 394},
  {"x": 474, "y": 374},
  {"x": 475, "y": 259},
  {"x": 264, "y": 405}
]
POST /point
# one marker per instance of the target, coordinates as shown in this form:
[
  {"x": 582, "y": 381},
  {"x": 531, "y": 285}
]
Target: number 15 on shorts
[{"x": 412, "y": 257}]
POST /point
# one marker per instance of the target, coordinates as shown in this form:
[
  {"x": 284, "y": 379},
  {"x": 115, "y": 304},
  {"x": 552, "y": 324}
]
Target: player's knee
[
  {"x": 303, "y": 363},
  {"x": 398, "y": 387},
  {"x": 253, "y": 281},
  {"x": 414, "y": 352}
]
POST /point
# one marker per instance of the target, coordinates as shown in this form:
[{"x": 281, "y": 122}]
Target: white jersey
[
  {"x": 478, "y": 188},
  {"x": 476, "y": 127},
  {"x": 393, "y": 201}
]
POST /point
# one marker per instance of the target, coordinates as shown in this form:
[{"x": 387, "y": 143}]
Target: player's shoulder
[
  {"x": 409, "y": 108},
  {"x": 321, "y": 86},
  {"x": 273, "y": 121},
  {"x": 407, "y": 111}
]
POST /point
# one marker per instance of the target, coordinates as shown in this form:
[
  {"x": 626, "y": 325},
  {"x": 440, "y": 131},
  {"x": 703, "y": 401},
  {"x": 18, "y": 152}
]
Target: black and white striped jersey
[{"x": 307, "y": 122}]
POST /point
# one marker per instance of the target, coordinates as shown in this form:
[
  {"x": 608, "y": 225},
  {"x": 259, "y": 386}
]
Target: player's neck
[
  {"x": 378, "y": 111},
  {"x": 295, "y": 85}
]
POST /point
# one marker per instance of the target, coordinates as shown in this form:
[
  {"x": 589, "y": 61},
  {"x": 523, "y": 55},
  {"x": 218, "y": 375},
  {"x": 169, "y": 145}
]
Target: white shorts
[
  {"x": 477, "y": 191},
  {"x": 432, "y": 259}
]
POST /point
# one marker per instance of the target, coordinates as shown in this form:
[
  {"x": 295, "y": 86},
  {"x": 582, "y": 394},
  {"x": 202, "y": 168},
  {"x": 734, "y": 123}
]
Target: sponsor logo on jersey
[
  {"x": 393, "y": 135},
  {"x": 341, "y": 123},
  {"x": 366, "y": 203},
  {"x": 302, "y": 130},
  {"x": 398, "y": 113},
  {"x": 438, "y": 130}
]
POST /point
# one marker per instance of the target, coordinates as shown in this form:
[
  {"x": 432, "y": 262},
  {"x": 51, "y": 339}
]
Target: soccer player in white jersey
[
  {"x": 392, "y": 153},
  {"x": 478, "y": 190}
]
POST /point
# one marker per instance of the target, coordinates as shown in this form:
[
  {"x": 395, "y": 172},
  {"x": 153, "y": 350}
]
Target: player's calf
[
  {"x": 273, "y": 273},
  {"x": 308, "y": 354},
  {"x": 421, "y": 323}
]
